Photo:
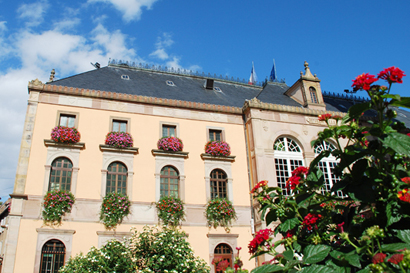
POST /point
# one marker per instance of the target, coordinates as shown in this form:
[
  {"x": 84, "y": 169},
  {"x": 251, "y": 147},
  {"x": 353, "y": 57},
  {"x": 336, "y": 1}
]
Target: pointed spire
[{"x": 308, "y": 75}]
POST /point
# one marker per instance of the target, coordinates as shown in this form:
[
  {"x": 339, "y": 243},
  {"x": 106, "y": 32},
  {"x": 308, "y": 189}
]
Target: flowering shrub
[
  {"x": 56, "y": 204},
  {"x": 114, "y": 256},
  {"x": 173, "y": 144},
  {"x": 220, "y": 212},
  {"x": 364, "y": 229},
  {"x": 218, "y": 148},
  {"x": 62, "y": 134},
  {"x": 220, "y": 264},
  {"x": 119, "y": 139},
  {"x": 170, "y": 210},
  {"x": 114, "y": 208},
  {"x": 165, "y": 250}
]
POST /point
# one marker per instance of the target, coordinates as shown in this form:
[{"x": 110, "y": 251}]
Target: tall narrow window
[
  {"x": 224, "y": 252},
  {"x": 61, "y": 174},
  {"x": 119, "y": 125},
  {"x": 218, "y": 184},
  {"x": 313, "y": 94},
  {"x": 288, "y": 156},
  {"x": 169, "y": 185},
  {"x": 215, "y": 135},
  {"x": 52, "y": 256},
  {"x": 327, "y": 165},
  {"x": 117, "y": 178},
  {"x": 169, "y": 130},
  {"x": 67, "y": 120}
]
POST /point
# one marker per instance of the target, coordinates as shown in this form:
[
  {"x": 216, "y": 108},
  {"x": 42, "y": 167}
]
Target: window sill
[
  {"x": 168, "y": 153},
  {"x": 52, "y": 143},
  {"x": 108, "y": 148},
  {"x": 230, "y": 158}
]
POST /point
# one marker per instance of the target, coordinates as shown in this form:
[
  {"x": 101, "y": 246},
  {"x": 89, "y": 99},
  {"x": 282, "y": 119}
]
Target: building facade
[{"x": 269, "y": 129}]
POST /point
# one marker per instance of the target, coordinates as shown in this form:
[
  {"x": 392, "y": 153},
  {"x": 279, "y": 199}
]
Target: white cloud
[
  {"x": 37, "y": 54},
  {"x": 131, "y": 9},
  {"x": 3, "y": 27},
  {"x": 162, "y": 43},
  {"x": 66, "y": 24},
  {"x": 33, "y": 13}
]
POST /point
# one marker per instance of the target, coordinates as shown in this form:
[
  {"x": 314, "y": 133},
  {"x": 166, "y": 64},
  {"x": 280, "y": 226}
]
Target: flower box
[
  {"x": 114, "y": 208},
  {"x": 218, "y": 148},
  {"x": 170, "y": 144},
  {"x": 119, "y": 139},
  {"x": 62, "y": 134},
  {"x": 56, "y": 204},
  {"x": 170, "y": 210},
  {"x": 220, "y": 212}
]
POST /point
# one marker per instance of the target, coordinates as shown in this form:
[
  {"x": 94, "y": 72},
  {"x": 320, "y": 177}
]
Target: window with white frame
[
  {"x": 288, "y": 156},
  {"x": 327, "y": 165}
]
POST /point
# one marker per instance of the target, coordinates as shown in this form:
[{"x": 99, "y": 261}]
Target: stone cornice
[
  {"x": 52, "y": 143},
  {"x": 108, "y": 148},
  {"x": 230, "y": 158},
  {"x": 64, "y": 90},
  {"x": 156, "y": 152},
  {"x": 255, "y": 103}
]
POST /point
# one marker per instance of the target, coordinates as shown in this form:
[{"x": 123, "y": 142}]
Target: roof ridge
[{"x": 180, "y": 72}]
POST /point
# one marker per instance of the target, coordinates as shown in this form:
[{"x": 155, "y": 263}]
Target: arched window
[
  {"x": 60, "y": 175},
  {"x": 117, "y": 178},
  {"x": 327, "y": 165},
  {"x": 52, "y": 256},
  {"x": 313, "y": 94},
  {"x": 224, "y": 252},
  {"x": 219, "y": 183},
  {"x": 169, "y": 184},
  {"x": 288, "y": 156}
]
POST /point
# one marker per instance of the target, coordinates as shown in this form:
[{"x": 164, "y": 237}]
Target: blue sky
[{"x": 339, "y": 39}]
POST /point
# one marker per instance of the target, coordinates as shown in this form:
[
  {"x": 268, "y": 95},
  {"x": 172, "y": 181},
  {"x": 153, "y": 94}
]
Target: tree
[{"x": 362, "y": 224}]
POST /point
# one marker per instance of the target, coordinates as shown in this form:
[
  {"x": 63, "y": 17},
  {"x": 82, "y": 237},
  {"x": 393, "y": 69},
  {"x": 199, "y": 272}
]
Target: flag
[
  {"x": 273, "y": 72},
  {"x": 253, "y": 79}
]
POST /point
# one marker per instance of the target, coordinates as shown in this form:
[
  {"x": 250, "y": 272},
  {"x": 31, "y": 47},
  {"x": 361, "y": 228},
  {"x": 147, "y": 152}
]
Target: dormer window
[
  {"x": 125, "y": 77},
  {"x": 170, "y": 83},
  {"x": 313, "y": 94}
]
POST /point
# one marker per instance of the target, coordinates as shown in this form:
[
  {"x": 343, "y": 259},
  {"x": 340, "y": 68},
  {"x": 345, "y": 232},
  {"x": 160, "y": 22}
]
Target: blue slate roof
[{"x": 153, "y": 83}]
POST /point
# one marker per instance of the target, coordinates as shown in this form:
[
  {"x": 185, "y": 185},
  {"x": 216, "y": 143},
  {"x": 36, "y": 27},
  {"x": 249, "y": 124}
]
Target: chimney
[
  {"x": 209, "y": 84},
  {"x": 53, "y": 72}
]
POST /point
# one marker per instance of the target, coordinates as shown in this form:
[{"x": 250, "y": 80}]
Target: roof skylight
[
  {"x": 125, "y": 77},
  {"x": 170, "y": 83},
  {"x": 217, "y": 89}
]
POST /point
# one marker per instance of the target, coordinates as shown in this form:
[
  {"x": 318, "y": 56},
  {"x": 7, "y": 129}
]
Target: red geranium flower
[
  {"x": 363, "y": 81},
  {"x": 406, "y": 180},
  {"x": 392, "y": 74},
  {"x": 300, "y": 170},
  {"x": 396, "y": 258},
  {"x": 379, "y": 258},
  {"x": 324, "y": 117},
  {"x": 262, "y": 183},
  {"x": 404, "y": 195}
]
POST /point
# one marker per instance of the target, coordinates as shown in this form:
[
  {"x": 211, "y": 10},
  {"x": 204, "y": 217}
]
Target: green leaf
[
  {"x": 356, "y": 111},
  {"x": 303, "y": 199},
  {"x": 288, "y": 254},
  {"x": 365, "y": 270},
  {"x": 391, "y": 96},
  {"x": 400, "y": 143},
  {"x": 404, "y": 235},
  {"x": 394, "y": 247},
  {"x": 392, "y": 215},
  {"x": 267, "y": 268},
  {"x": 403, "y": 102},
  {"x": 336, "y": 268},
  {"x": 353, "y": 259},
  {"x": 317, "y": 269},
  {"x": 315, "y": 253},
  {"x": 271, "y": 216},
  {"x": 288, "y": 224}
]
